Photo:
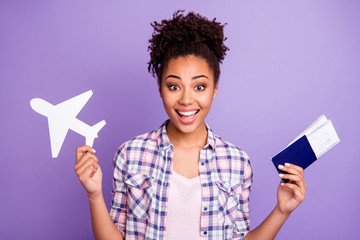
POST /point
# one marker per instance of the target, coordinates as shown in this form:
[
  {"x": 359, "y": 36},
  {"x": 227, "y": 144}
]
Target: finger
[
  {"x": 80, "y": 168},
  {"x": 292, "y": 177},
  {"x": 290, "y": 168},
  {"x": 87, "y": 174},
  {"x": 302, "y": 185},
  {"x": 84, "y": 158},
  {"x": 295, "y": 180},
  {"x": 80, "y": 151},
  {"x": 296, "y": 170},
  {"x": 89, "y": 162},
  {"x": 293, "y": 166},
  {"x": 298, "y": 194}
]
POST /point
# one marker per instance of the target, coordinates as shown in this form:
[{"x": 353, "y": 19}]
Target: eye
[
  {"x": 200, "y": 87},
  {"x": 173, "y": 87}
]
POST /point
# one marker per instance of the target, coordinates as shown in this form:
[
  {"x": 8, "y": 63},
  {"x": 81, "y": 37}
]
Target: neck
[{"x": 198, "y": 138}]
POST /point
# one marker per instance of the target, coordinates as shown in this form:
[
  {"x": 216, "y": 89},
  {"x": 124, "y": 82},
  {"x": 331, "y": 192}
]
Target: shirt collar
[
  {"x": 164, "y": 142},
  {"x": 211, "y": 137},
  {"x": 162, "y": 138}
]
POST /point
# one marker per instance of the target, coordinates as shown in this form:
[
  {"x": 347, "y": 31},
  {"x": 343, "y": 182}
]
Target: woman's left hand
[{"x": 291, "y": 194}]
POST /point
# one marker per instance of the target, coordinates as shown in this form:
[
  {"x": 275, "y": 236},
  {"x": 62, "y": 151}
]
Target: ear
[
  {"x": 215, "y": 92},
  {"x": 160, "y": 91}
]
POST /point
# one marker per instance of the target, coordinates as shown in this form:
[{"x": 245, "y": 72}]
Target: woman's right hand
[{"x": 88, "y": 170}]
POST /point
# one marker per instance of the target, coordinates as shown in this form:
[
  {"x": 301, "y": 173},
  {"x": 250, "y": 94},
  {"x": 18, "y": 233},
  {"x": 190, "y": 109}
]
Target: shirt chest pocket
[
  {"x": 228, "y": 201},
  {"x": 139, "y": 195}
]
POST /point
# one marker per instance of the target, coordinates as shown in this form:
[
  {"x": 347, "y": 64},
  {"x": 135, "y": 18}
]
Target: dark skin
[
  {"x": 190, "y": 88},
  {"x": 187, "y": 86},
  {"x": 188, "y": 168}
]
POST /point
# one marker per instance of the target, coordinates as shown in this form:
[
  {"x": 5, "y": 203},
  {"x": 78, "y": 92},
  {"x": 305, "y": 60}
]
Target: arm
[
  {"x": 102, "y": 225},
  {"x": 90, "y": 176},
  {"x": 290, "y": 195}
]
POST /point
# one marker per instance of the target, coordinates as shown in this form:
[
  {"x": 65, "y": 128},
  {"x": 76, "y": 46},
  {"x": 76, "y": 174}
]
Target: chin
[{"x": 186, "y": 128}]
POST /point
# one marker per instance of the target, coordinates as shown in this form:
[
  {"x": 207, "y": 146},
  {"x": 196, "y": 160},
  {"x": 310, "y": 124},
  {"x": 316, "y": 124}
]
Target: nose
[{"x": 187, "y": 97}]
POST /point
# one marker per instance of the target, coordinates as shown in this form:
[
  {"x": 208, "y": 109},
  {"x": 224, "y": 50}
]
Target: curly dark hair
[{"x": 192, "y": 34}]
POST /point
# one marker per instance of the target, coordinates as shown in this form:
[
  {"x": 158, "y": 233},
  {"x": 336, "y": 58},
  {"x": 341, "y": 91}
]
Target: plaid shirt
[{"x": 141, "y": 187}]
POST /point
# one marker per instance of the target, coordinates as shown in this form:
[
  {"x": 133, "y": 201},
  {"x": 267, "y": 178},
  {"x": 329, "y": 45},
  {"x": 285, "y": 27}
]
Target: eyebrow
[{"x": 194, "y": 78}]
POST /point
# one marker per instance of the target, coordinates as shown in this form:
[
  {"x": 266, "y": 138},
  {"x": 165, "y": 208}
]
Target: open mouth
[
  {"x": 187, "y": 117},
  {"x": 186, "y": 113}
]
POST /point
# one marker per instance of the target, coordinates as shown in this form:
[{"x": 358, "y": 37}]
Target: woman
[{"x": 182, "y": 181}]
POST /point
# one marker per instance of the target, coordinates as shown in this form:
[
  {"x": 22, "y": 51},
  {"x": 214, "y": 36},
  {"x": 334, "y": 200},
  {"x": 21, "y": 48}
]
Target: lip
[
  {"x": 188, "y": 119},
  {"x": 186, "y": 109}
]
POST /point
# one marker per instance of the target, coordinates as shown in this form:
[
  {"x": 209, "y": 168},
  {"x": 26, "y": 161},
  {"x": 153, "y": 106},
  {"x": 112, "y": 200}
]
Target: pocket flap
[
  {"x": 231, "y": 189},
  {"x": 139, "y": 181}
]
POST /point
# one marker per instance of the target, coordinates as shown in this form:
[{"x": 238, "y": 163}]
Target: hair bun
[{"x": 184, "y": 31}]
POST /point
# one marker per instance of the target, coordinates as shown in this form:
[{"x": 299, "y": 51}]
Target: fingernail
[
  {"x": 93, "y": 150},
  {"x": 281, "y": 175},
  {"x": 282, "y": 184},
  {"x": 280, "y": 166},
  {"x": 287, "y": 164}
]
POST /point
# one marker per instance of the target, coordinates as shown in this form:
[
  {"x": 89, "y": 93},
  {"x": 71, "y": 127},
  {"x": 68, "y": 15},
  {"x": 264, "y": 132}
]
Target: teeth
[{"x": 188, "y": 113}]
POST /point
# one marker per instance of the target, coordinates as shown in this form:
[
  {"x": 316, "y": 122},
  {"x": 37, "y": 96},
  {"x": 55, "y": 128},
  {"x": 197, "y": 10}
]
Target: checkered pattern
[{"x": 141, "y": 187}]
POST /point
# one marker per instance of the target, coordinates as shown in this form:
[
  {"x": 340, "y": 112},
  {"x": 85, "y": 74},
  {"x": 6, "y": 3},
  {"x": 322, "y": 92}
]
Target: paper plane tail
[{"x": 97, "y": 127}]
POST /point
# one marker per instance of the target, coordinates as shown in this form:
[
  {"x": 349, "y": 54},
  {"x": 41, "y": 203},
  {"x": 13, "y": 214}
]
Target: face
[{"x": 187, "y": 90}]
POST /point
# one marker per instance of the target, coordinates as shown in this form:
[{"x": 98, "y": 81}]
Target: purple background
[{"x": 290, "y": 62}]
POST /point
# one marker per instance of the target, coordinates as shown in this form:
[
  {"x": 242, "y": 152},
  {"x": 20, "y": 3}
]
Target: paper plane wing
[
  {"x": 71, "y": 107},
  {"x": 58, "y": 130}
]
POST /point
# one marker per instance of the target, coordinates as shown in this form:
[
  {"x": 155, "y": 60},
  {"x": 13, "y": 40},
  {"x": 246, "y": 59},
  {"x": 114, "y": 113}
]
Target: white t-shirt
[{"x": 184, "y": 208}]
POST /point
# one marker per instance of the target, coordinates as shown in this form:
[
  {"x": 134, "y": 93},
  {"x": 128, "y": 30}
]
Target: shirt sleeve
[
  {"x": 118, "y": 205},
  {"x": 243, "y": 221}
]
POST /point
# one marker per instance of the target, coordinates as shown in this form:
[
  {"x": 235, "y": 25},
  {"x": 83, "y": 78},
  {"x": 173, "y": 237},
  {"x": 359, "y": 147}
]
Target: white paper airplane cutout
[{"x": 62, "y": 117}]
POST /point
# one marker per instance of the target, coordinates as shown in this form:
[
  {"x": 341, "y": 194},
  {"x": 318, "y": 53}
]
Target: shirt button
[
  {"x": 202, "y": 163},
  {"x": 205, "y": 232},
  {"x": 161, "y": 228},
  {"x": 205, "y": 208}
]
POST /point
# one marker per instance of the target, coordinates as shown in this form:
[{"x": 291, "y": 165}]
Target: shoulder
[
  {"x": 226, "y": 149},
  {"x": 232, "y": 163},
  {"x": 140, "y": 143}
]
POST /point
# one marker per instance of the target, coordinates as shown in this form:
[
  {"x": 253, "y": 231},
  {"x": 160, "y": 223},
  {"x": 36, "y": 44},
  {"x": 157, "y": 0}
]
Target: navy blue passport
[{"x": 299, "y": 153}]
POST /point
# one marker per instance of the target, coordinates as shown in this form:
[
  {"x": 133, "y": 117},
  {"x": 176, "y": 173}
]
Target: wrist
[
  {"x": 95, "y": 196},
  {"x": 280, "y": 213}
]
